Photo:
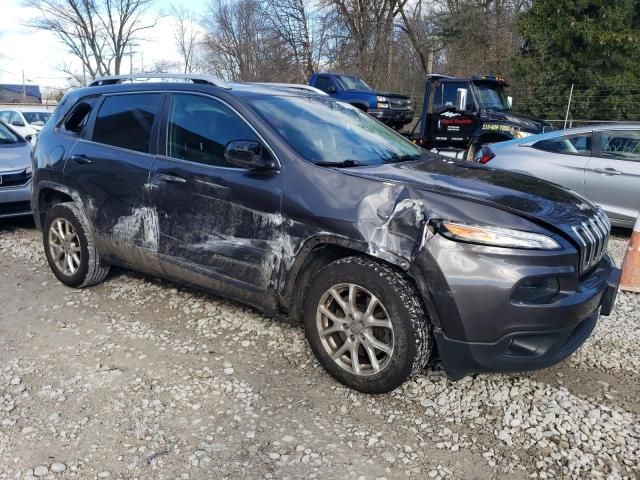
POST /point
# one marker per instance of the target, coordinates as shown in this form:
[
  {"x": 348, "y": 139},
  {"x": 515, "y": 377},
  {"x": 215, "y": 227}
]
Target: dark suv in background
[{"x": 305, "y": 207}]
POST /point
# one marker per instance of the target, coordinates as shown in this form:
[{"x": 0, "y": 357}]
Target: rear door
[
  {"x": 613, "y": 175},
  {"x": 110, "y": 167},
  {"x": 562, "y": 160},
  {"x": 220, "y": 226}
]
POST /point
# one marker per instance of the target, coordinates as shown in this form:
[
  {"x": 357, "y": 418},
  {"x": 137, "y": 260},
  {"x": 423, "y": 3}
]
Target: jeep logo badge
[{"x": 582, "y": 206}]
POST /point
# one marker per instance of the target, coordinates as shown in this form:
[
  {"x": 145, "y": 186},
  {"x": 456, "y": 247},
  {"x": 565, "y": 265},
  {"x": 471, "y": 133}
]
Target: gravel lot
[{"x": 141, "y": 378}]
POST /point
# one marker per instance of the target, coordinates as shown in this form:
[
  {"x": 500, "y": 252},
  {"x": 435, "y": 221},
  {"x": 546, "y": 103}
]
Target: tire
[
  {"x": 66, "y": 232},
  {"x": 471, "y": 151},
  {"x": 398, "y": 323}
]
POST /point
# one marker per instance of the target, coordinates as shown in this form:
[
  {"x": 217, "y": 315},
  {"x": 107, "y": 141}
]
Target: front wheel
[
  {"x": 472, "y": 151},
  {"x": 366, "y": 325}
]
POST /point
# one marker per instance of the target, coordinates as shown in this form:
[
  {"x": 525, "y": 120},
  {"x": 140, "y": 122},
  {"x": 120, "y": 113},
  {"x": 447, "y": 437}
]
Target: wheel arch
[
  {"x": 50, "y": 194},
  {"x": 491, "y": 137},
  {"x": 319, "y": 251}
]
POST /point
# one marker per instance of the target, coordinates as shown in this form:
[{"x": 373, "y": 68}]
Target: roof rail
[
  {"x": 289, "y": 86},
  {"x": 199, "y": 79}
]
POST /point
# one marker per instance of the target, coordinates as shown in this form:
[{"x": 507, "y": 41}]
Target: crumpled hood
[
  {"x": 15, "y": 157},
  {"x": 527, "y": 196},
  {"x": 524, "y": 122}
]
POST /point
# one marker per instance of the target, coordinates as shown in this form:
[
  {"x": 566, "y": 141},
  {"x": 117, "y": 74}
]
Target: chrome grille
[
  {"x": 400, "y": 103},
  {"x": 593, "y": 237},
  {"x": 15, "y": 178}
]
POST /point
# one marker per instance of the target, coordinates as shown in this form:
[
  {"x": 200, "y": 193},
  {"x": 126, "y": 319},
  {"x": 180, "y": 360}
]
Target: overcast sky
[{"x": 41, "y": 55}]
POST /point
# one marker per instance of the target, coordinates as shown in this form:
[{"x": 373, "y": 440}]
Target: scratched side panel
[
  {"x": 223, "y": 224},
  {"x": 113, "y": 190}
]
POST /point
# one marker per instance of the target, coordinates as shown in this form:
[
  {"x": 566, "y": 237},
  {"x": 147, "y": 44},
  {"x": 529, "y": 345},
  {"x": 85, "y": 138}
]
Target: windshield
[
  {"x": 7, "y": 136},
  {"x": 351, "y": 82},
  {"x": 36, "y": 118},
  {"x": 323, "y": 130},
  {"x": 492, "y": 96}
]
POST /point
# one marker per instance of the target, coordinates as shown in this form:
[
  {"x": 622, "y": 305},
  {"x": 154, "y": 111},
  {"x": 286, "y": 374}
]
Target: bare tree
[
  {"x": 240, "y": 45},
  {"x": 186, "y": 35},
  {"x": 96, "y": 32},
  {"x": 416, "y": 26},
  {"x": 290, "y": 19},
  {"x": 370, "y": 25}
]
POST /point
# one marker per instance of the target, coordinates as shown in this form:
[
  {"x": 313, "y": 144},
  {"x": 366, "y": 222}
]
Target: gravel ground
[{"x": 141, "y": 378}]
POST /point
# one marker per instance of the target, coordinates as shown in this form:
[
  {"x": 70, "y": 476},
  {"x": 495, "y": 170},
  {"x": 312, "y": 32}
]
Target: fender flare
[{"x": 58, "y": 187}]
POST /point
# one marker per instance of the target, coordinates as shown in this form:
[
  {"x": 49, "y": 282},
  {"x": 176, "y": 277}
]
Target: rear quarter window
[
  {"x": 568, "y": 145},
  {"x": 126, "y": 121}
]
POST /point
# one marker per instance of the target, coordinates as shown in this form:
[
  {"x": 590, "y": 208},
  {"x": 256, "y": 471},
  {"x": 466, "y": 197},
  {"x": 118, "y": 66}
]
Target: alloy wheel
[
  {"x": 355, "y": 329},
  {"x": 64, "y": 246}
]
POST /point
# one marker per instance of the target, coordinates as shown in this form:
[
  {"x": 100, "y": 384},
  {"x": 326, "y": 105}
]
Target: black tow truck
[{"x": 461, "y": 114}]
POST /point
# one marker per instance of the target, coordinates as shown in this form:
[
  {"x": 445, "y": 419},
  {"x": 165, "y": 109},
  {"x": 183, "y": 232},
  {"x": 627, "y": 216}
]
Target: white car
[{"x": 26, "y": 121}]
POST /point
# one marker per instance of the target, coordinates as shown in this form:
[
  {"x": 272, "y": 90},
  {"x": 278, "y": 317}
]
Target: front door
[
  {"x": 110, "y": 169},
  {"x": 450, "y": 127},
  {"x": 220, "y": 226},
  {"x": 613, "y": 175}
]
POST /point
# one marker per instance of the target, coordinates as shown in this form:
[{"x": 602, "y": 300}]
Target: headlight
[
  {"x": 521, "y": 134},
  {"x": 496, "y": 236},
  {"x": 383, "y": 102}
]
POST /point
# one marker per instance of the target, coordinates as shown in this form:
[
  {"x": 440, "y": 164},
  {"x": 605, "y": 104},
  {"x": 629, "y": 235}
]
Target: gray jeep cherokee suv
[{"x": 305, "y": 207}]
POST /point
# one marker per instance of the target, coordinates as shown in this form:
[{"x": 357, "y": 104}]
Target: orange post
[{"x": 630, "y": 279}]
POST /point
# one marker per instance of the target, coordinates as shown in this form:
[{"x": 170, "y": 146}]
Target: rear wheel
[
  {"x": 70, "y": 247},
  {"x": 366, "y": 325}
]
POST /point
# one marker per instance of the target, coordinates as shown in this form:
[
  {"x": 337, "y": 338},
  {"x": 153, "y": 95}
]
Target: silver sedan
[
  {"x": 15, "y": 174},
  {"x": 600, "y": 162}
]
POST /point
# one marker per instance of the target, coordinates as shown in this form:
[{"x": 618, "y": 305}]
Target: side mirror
[
  {"x": 461, "y": 100},
  {"x": 248, "y": 154},
  {"x": 331, "y": 89},
  {"x": 17, "y": 123},
  {"x": 510, "y": 101}
]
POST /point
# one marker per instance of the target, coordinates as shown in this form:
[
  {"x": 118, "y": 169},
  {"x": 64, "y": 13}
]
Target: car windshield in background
[
  {"x": 36, "y": 118},
  {"x": 7, "y": 137},
  {"x": 492, "y": 97},
  {"x": 325, "y": 131},
  {"x": 351, "y": 82}
]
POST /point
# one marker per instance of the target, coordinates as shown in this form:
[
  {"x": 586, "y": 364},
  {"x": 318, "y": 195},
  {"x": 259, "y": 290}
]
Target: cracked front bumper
[{"x": 483, "y": 330}]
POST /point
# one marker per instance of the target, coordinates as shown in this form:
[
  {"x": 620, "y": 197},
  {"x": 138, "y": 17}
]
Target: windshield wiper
[
  {"x": 404, "y": 158},
  {"x": 340, "y": 164}
]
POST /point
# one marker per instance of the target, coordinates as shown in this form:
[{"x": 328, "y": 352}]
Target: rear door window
[
  {"x": 579, "y": 144},
  {"x": 620, "y": 144},
  {"x": 126, "y": 121}
]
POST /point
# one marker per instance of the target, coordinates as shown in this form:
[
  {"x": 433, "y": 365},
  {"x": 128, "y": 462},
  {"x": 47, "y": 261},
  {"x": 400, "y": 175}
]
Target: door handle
[
  {"x": 81, "y": 159},
  {"x": 163, "y": 177},
  {"x": 608, "y": 171}
]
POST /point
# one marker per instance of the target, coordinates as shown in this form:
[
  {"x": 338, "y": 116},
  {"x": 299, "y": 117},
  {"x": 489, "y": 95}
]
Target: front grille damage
[{"x": 592, "y": 236}]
